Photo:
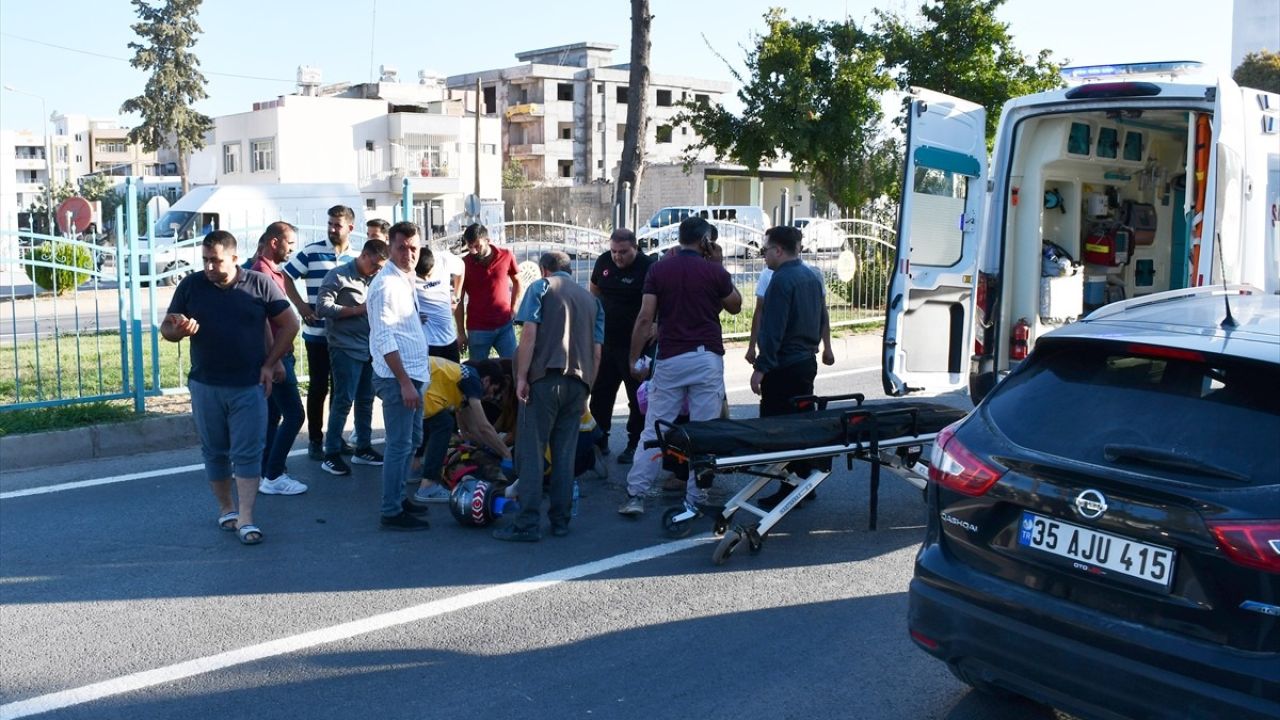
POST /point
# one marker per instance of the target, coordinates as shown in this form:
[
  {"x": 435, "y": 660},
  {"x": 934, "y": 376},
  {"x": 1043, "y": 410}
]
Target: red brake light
[
  {"x": 1167, "y": 353},
  {"x": 954, "y": 467},
  {"x": 1254, "y": 544}
]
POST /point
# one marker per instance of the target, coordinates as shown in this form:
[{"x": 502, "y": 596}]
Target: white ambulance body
[{"x": 1146, "y": 179}]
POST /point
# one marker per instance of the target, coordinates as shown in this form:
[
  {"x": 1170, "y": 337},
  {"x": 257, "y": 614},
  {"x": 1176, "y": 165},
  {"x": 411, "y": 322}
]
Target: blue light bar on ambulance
[{"x": 1086, "y": 73}]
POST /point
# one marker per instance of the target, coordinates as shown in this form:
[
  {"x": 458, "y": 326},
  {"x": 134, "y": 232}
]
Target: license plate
[{"x": 1096, "y": 552}]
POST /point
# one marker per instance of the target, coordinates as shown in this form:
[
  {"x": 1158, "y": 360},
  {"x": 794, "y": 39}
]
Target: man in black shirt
[
  {"x": 618, "y": 280},
  {"x": 235, "y": 357}
]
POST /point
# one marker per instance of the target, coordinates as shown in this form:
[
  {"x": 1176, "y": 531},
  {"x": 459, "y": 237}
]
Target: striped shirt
[
  {"x": 394, "y": 324},
  {"x": 313, "y": 263}
]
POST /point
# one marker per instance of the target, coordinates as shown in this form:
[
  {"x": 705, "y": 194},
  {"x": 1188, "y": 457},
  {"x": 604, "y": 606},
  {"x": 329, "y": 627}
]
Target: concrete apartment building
[
  {"x": 371, "y": 135},
  {"x": 564, "y": 112}
]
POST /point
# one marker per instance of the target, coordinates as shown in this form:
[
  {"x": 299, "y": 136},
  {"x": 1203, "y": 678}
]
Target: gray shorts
[{"x": 232, "y": 424}]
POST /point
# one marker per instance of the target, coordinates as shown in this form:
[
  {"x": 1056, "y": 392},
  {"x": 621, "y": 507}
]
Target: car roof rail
[{"x": 1116, "y": 308}]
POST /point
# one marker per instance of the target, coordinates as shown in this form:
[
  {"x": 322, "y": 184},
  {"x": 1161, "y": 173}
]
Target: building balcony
[
  {"x": 420, "y": 184},
  {"x": 410, "y": 125},
  {"x": 528, "y": 112},
  {"x": 28, "y": 164},
  {"x": 526, "y": 150}
]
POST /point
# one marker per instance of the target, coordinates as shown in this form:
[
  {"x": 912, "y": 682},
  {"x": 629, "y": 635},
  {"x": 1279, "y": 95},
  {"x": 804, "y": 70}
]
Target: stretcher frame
[{"x": 902, "y": 453}]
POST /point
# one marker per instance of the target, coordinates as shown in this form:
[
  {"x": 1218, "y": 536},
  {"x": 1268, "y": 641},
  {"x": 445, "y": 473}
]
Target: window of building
[
  {"x": 566, "y": 168},
  {"x": 621, "y": 95},
  {"x": 32, "y": 176},
  {"x": 564, "y": 131},
  {"x": 111, "y": 146},
  {"x": 79, "y": 138},
  {"x": 664, "y": 133},
  {"x": 702, "y": 99},
  {"x": 368, "y": 145},
  {"x": 262, "y": 155},
  {"x": 664, "y": 98},
  {"x": 564, "y": 91},
  {"x": 600, "y": 88},
  {"x": 79, "y": 158},
  {"x": 490, "y": 100},
  {"x": 370, "y": 204},
  {"x": 622, "y": 131},
  {"x": 230, "y": 158}
]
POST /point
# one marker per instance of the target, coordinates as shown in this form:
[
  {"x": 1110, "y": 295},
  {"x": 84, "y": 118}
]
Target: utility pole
[{"x": 479, "y": 106}]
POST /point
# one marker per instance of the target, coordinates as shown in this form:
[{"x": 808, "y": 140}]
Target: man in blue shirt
[{"x": 240, "y": 327}]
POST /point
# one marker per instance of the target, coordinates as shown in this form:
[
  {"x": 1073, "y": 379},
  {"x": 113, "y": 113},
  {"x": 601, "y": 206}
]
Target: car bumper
[{"x": 971, "y": 617}]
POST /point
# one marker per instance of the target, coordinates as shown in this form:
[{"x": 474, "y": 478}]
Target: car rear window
[{"x": 1089, "y": 400}]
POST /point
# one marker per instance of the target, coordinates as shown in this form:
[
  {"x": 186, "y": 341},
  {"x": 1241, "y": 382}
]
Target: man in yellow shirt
[{"x": 453, "y": 400}]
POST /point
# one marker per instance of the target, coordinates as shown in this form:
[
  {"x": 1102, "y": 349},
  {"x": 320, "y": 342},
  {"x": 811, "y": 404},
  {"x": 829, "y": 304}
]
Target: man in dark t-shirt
[
  {"x": 618, "y": 280},
  {"x": 240, "y": 327},
  {"x": 685, "y": 293}
]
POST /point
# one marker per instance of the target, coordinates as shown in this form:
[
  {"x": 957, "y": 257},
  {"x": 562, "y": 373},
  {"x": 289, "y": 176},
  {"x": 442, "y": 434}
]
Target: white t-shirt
[
  {"x": 435, "y": 303},
  {"x": 762, "y": 284}
]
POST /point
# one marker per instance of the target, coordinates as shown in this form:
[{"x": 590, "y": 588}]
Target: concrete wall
[{"x": 588, "y": 205}]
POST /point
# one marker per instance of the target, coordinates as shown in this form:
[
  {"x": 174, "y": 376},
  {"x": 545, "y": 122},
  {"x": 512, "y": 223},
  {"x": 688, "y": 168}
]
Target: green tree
[
  {"x": 812, "y": 94},
  {"x": 961, "y": 49},
  {"x": 1259, "y": 70},
  {"x": 166, "y": 34},
  {"x": 513, "y": 177}
]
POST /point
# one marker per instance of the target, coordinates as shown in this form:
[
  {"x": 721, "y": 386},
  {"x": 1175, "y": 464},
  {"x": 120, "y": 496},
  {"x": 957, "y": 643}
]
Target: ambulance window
[
  {"x": 1108, "y": 141},
  {"x": 1133, "y": 146},
  {"x": 1080, "y": 139},
  {"x": 937, "y": 198}
]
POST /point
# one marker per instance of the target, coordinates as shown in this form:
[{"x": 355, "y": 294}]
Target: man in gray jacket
[{"x": 341, "y": 303}]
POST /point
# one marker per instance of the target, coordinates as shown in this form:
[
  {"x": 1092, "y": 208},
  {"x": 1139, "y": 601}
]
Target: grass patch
[
  {"x": 70, "y": 366},
  {"x": 17, "y": 422}
]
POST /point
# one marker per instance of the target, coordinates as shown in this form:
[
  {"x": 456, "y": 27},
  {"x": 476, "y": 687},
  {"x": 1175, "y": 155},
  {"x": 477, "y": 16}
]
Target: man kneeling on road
[{"x": 230, "y": 314}]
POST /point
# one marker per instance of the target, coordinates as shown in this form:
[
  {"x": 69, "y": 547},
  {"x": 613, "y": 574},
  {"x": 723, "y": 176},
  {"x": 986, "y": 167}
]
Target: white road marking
[{"x": 324, "y": 636}]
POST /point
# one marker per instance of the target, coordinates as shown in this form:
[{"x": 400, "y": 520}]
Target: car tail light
[
  {"x": 924, "y": 640},
  {"x": 1166, "y": 353},
  {"x": 984, "y": 297},
  {"x": 1254, "y": 544},
  {"x": 954, "y": 467}
]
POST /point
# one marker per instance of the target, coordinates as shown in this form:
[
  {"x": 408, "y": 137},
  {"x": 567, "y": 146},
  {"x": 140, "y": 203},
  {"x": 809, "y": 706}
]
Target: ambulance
[{"x": 1131, "y": 180}]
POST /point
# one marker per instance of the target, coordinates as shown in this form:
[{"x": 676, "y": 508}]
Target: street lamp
[{"x": 48, "y": 155}]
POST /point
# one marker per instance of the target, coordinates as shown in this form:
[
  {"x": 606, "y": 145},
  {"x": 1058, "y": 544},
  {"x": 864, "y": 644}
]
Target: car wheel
[{"x": 179, "y": 270}]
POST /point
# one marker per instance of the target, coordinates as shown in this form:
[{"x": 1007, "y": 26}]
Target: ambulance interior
[{"x": 1108, "y": 189}]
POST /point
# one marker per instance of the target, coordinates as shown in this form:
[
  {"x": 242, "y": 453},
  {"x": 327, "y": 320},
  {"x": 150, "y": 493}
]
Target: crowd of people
[{"x": 393, "y": 319}]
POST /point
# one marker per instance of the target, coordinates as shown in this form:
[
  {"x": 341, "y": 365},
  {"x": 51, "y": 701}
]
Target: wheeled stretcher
[{"x": 885, "y": 433}]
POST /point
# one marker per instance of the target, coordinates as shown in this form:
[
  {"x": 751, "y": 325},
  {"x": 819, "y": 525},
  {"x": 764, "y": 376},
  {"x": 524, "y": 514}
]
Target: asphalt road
[{"x": 124, "y": 600}]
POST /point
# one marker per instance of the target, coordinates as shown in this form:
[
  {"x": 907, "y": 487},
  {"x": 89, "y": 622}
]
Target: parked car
[
  {"x": 1104, "y": 528},
  {"x": 821, "y": 235}
]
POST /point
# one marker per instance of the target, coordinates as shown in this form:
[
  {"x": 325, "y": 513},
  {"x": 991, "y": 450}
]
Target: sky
[{"x": 250, "y": 49}]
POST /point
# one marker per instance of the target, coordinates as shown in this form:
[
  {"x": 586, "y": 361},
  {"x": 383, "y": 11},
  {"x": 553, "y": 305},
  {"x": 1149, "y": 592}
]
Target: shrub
[{"x": 71, "y": 265}]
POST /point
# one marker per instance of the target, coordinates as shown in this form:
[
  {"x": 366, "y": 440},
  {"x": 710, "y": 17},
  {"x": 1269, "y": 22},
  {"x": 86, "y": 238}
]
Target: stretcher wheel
[
  {"x": 755, "y": 541},
  {"x": 725, "y": 547},
  {"x": 722, "y": 524},
  {"x": 676, "y": 528}
]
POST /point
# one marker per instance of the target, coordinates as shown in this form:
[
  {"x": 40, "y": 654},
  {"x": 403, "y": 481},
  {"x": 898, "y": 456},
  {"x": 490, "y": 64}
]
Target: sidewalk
[{"x": 177, "y": 431}]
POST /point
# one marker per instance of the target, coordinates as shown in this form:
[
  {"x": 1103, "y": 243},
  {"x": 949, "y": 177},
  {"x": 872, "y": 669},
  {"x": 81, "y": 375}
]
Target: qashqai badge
[{"x": 1091, "y": 504}]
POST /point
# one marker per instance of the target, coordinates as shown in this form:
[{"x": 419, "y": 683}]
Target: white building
[
  {"x": 374, "y": 136},
  {"x": 1255, "y": 25},
  {"x": 24, "y": 172},
  {"x": 564, "y": 112}
]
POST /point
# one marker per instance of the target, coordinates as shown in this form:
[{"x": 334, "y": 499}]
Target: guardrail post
[
  {"x": 122, "y": 281},
  {"x": 135, "y": 307}
]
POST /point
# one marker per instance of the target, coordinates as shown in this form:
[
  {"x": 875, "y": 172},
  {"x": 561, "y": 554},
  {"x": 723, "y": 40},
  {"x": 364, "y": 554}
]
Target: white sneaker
[
  {"x": 283, "y": 485},
  {"x": 434, "y": 494}
]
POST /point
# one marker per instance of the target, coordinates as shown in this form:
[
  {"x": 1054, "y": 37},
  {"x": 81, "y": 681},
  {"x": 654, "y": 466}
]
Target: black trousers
[
  {"x": 777, "y": 389},
  {"x": 318, "y": 369},
  {"x": 613, "y": 372}
]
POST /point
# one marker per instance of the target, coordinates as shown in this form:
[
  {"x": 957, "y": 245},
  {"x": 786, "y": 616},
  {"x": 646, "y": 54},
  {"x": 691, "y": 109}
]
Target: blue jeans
[
  {"x": 352, "y": 383},
  {"x": 439, "y": 431},
  {"x": 551, "y": 417},
  {"x": 284, "y": 420},
  {"x": 229, "y": 421},
  {"x": 404, "y": 433},
  {"x": 502, "y": 340}
]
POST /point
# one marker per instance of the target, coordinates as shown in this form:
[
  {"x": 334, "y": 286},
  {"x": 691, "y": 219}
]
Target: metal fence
[{"x": 80, "y": 316}]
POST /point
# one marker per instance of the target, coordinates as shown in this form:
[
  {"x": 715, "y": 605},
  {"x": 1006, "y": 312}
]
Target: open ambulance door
[
  {"x": 928, "y": 333},
  {"x": 1218, "y": 231}
]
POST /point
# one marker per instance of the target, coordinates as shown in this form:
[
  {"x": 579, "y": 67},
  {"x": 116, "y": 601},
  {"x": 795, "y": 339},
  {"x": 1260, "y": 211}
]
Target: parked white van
[
  {"x": 1142, "y": 178},
  {"x": 244, "y": 210},
  {"x": 739, "y": 226}
]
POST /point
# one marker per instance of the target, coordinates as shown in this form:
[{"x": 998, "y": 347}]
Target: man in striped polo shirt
[{"x": 312, "y": 263}]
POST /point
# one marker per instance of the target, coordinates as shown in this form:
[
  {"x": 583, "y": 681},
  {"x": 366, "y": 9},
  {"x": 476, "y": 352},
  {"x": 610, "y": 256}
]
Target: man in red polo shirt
[{"x": 490, "y": 286}]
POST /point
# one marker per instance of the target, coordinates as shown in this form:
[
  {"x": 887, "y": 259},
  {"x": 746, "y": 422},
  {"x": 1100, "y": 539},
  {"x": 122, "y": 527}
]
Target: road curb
[{"x": 57, "y": 447}]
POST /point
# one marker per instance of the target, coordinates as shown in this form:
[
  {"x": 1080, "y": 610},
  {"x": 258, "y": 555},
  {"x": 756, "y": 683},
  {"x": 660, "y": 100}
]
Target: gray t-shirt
[{"x": 344, "y": 286}]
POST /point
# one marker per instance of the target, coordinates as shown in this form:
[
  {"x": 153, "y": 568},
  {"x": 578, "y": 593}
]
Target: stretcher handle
[
  {"x": 803, "y": 402},
  {"x": 660, "y": 441}
]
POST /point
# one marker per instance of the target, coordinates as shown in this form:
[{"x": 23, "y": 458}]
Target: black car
[{"x": 1104, "y": 527}]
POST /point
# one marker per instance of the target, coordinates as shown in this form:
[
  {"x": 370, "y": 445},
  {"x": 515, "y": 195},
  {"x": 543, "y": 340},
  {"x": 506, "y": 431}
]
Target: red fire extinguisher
[{"x": 1021, "y": 340}]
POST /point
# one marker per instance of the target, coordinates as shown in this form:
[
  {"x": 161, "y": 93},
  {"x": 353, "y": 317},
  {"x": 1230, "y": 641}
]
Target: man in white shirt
[
  {"x": 437, "y": 299},
  {"x": 400, "y": 372}
]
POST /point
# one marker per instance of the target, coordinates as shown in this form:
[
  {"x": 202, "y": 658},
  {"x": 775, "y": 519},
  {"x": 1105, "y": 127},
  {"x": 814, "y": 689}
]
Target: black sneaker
[
  {"x": 511, "y": 533},
  {"x": 559, "y": 529},
  {"x": 418, "y": 510},
  {"x": 366, "y": 456},
  {"x": 405, "y": 521},
  {"x": 627, "y": 456},
  {"x": 315, "y": 451},
  {"x": 335, "y": 465}
]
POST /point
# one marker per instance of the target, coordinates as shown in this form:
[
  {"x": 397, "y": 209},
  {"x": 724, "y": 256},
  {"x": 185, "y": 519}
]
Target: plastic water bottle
[{"x": 573, "y": 508}]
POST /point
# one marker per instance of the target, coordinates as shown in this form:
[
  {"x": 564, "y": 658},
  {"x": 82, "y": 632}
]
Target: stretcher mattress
[{"x": 885, "y": 420}]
